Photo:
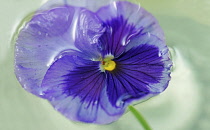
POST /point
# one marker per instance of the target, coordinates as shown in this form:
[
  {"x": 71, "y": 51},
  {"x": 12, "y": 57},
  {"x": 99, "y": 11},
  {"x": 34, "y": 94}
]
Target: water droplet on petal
[
  {"x": 121, "y": 100},
  {"x": 52, "y": 99},
  {"x": 160, "y": 54},
  {"x": 20, "y": 79},
  {"x": 41, "y": 93},
  {"x": 120, "y": 103},
  {"x": 85, "y": 104},
  {"x": 96, "y": 102},
  {"x": 149, "y": 35},
  {"x": 163, "y": 52},
  {"x": 24, "y": 86},
  {"x": 173, "y": 55}
]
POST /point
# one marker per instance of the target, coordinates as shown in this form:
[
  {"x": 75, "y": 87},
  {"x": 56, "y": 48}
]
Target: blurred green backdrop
[{"x": 183, "y": 106}]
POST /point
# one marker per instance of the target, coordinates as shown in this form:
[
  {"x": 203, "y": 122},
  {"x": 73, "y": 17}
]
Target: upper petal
[
  {"x": 123, "y": 21},
  {"x": 88, "y": 31},
  {"x": 116, "y": 36},
  {"x": 47, "y": 35},
  {"x": 92, "y": 5},
  {"x": 38, "y": 44},
  {"x": 133, "y": 14}
]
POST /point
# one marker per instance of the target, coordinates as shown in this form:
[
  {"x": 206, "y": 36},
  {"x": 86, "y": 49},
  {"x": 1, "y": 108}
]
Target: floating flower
[{"x": 89, "y": 64}]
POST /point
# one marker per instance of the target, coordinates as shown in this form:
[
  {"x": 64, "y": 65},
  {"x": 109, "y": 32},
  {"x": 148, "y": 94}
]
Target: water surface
[{"x": 184, "y": 105}]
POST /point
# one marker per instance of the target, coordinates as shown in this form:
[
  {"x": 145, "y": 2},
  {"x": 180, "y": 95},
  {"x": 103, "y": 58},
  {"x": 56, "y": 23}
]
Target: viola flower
[{"x": 91, "y": 65}]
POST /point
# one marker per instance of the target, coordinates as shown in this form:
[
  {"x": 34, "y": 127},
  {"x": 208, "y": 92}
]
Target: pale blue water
[{"x": 183, "y": 106}]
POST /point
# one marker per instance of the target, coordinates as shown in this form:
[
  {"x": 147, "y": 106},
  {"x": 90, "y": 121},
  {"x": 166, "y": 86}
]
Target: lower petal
[
  {"x": 122, "y": 89},
  {"x": 75, "y": 87}
]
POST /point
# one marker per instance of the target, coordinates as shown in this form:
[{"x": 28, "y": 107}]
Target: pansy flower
[{"x": 91, "y": 63}]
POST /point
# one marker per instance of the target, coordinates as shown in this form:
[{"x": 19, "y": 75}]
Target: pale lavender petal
[
  {"x": 38, "y": 44},
  {"x": 88, "y": 30},
  {"x": 92, "y": 5},
  {"x": 46, "y": 36}
]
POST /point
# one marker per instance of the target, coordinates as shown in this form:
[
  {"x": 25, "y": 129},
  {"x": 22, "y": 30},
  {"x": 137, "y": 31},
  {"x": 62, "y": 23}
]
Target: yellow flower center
[{"x": 108, "y": 64}]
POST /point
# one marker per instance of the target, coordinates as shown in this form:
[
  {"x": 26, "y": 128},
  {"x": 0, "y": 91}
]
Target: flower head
[{"x": 90, "y": 64}]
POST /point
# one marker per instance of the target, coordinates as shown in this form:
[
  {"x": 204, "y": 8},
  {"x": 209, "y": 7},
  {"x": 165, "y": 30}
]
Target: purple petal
[
  {"x": 149, "y": 62},
  {"x": 49, "y": 34},
  {"x": 122, "y": 88},
  {"x": 75, "y": 88},
  {"x": 123, "y": 21},
  {"x": 115, "y": 38},
  {"x": 141, "y": 72},
  {"x": 133, "y": 14}
]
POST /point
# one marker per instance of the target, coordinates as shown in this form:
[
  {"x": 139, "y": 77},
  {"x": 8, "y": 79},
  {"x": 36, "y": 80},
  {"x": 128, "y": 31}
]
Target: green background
[{"x": 183, "y": 106}]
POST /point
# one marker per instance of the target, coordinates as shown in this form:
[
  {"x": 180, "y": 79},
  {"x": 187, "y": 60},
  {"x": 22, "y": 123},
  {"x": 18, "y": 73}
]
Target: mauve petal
[
  {"x": 75, "y": 87},
  {"x": 134, "y": 15}
]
